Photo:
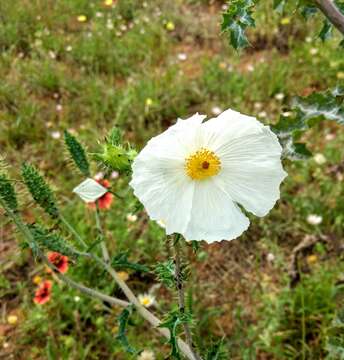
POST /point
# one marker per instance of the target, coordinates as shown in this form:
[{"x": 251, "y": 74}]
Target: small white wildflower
[
  {"x": 109, "y": 25},
  {"x": 114, "y": 175},
  {"x": 146, "y": 355},
  {"x": 216, "y": 110},
  {"x": 52, "y": 55},
  {"x": 250, "y": 68},
  {"x": 314, "y": 219},
  {"x": 161, "y": 223},
  {"x": 279, "y": 96},
  {"x": 99, "y": 175},
  {"x": 5, "y": 345},
  {"x": 182, "y": 56},
  {"x": 99, "y": 14},
  {"x": 76, "y": 298},
  {"x": 287, "y": 113},
  {"x": 330, "y": 137},
  {"x": 319, "y": 159},
  {"x": 257, "y": 105},
  {"x": 69, "y": 48},
  {"x": 55, "y": 135},
  {"x": 270, "y": 257},
  {"x": 89, "y": 190},
  {"x": 144, "y": 4},
  {"x": 146, "y": 300},
  {"x": 123, "y": 27},
  {"x": 262, "y": 114},
  {"x": 308, "y": 39},
  {"x": 59, "y": 107},
  {"x": 132, "y": 217},
  {"x": 313, "y": 51}
]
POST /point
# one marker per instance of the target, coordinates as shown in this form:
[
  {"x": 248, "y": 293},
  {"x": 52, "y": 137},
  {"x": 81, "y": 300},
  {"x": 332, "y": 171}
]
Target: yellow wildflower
[
  {"x": 12, "y": 319},
  {"x": 123, "y": 275},
  {"x": 170, "y": 26},
  {"x": 312, "y": 259},
  {"x": 82, "y": 18}
]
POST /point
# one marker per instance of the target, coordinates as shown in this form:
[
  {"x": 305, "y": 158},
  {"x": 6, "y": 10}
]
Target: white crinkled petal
[
  {"x": 90, "y": 190},
  {"x": 250, "y": 159},
  {"x": 214, "y": 216},
  {"x": 159, "y": 178}
]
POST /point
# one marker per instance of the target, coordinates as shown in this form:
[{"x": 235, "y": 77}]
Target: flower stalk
[{"x": 181, "y": 293}]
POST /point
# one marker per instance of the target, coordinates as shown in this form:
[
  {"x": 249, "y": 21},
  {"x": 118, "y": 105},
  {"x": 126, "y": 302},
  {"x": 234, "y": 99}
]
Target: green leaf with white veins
[
  {"x": 307, "y": 112},
  {"x": 236, "y": 19}
]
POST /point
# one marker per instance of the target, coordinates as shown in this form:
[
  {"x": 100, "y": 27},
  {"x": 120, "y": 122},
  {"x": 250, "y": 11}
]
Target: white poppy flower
[
  {"x": 90, "y": 190},
  {"x": 194, "y": 175}
]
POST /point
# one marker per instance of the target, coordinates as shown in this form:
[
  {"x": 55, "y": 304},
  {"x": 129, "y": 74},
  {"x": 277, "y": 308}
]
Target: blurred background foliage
[{"x": 88, "y": 65}]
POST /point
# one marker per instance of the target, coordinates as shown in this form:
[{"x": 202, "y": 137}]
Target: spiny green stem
[
  {"x": 73, "y": 231},
  {"x": 105, "y": 252},
  {"x": 185, "y": 348},
  {"x": 181, "y": 295}
]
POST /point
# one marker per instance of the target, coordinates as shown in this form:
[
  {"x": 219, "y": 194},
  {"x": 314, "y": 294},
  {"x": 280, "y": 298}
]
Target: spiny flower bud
[
  {"x": 116, "y": 157},
  {"x": 51, "y": 241},
  {"x": 40, "y": 190},
  {"x": 7, "y": 193},
  {"x": 115, "y": 136},
  {"x": 77, "y": 153}
]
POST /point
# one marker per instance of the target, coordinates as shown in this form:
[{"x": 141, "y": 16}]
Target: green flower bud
[
  {"x": 40, "y": 190},
  {"x": 51, "y": 241},
  {"x": 7, "y": 193},
  {"x": 77, "y": 153},
  {"x": 116, "y": 157}
]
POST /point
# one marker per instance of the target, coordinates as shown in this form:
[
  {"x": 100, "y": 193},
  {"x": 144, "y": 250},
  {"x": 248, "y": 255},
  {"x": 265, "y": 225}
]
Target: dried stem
[
  {"x": 181, "y": 295},
  {"x": 331, "y": 11}
]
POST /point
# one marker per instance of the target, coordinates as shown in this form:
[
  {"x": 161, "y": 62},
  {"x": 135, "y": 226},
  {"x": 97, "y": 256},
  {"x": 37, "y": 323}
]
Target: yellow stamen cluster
[{"x": 202, "y": 164}]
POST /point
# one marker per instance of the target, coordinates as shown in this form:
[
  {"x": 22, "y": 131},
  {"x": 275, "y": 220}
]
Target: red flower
[
  {"x": 43, "y": 293},
  {"x": 58, "y": 260},
  {"x": 104, "y": 201}
]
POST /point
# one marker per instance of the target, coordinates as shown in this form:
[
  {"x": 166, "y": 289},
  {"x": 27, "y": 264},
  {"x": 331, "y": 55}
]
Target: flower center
[{"x": 202, "y": 164}]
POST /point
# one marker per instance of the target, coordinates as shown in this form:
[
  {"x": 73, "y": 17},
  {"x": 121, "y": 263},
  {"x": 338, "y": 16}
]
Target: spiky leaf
[
  {"x": 52, "y": 241},
  {"x": 77, "y": 153},
  {"x": 307, "y": 112},
  {"x": 121, "y": 261},
  {"x": 7, "y": 193},
  {"x": 40, "y": 190},
  {"x": 236, "y": 19},
  {"x": 326, "y": 30},
  {"x": 217, "y": 351},
  {"x": 172, "y": 322},
  {"x": 123, "y": 319},
  {"x": 166, "y": 273}
]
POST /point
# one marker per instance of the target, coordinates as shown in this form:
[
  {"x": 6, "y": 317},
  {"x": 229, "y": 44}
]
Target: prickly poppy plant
[{"x": 182, "y": 193}]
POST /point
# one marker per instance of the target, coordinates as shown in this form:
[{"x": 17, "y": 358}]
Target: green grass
[{"x": 121, "y": 67}]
